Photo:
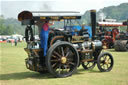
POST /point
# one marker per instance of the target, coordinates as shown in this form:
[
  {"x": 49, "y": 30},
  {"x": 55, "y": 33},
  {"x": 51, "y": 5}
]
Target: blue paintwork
[
  {"x": 72, "y": 28},
  {"x": 44, "y": 41}
]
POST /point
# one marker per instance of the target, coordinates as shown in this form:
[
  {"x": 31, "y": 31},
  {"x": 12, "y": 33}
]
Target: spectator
[{"x": 15, "y": 41}]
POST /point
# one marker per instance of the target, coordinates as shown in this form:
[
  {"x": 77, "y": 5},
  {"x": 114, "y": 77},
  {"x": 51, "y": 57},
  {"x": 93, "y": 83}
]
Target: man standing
[
  {"x": 44, "y": 36},
  {"x": 15, "y": 40}
]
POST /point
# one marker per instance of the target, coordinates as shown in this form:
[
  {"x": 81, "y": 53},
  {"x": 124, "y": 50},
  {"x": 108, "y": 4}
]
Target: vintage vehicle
[
  {"x": 111, "y": 37},
  {"x": 121, "y": 40},
  {"x": 108, "y": 32},
  {"x": 66, "y": 52}
]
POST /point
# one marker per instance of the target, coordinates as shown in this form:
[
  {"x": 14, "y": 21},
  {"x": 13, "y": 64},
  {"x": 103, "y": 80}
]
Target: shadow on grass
[
  {"x": 94, "y": 71},
  {"x": 80, "y": 71},
  {"x": 25, "y": 75},
  {"x": 34, "y": 75}
]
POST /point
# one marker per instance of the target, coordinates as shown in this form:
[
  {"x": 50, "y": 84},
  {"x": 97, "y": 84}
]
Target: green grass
[{"x": 14, "y": 72}]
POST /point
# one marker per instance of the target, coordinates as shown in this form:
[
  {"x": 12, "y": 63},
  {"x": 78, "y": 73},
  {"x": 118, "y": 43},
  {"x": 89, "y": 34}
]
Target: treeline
[
  {"x": 13, "y": 26},
  {"x": 120, "y": 13},
  {"x": 10, "y": 26}
]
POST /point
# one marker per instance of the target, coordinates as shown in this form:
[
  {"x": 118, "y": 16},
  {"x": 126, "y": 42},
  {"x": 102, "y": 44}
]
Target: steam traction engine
[
  {"x": 65, "y": 51},
  {"x": 121, "y": 40}
]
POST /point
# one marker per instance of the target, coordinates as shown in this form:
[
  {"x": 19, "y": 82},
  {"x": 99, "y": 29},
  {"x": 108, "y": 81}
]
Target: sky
[{"x": 11, "y": 8}]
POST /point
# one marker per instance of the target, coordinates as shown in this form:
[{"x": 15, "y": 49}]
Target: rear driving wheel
[
  {"x": 105, "y": 62},
  {"x": 62, "y": 59}
]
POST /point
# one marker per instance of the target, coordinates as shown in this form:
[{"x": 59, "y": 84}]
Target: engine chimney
[{"x": 93, "y": 23}]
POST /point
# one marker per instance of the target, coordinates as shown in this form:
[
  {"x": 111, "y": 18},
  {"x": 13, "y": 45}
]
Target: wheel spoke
[
  {"x": 57, "y": 54},
  {"x": 62, "y": 49},
  {"x": 65, "y": 66},
  {"x": 62, "y": 71},
  {"x": 103, "y": 66},
  {"x": 88, "y": 64},
  {"x": 67, "y": 54},
  {"x": 54, "y": 56},
  {"x": 59, "y": 69},
  {"x": 109, "y": 59},
  {"x": 71, "y": 63},
  {"x": 105, "y": 57},
  {"x": 54, "y": 65},
  {"x": 107, "y": 66},
  {"x": 54, "y": 60},
  {"x": 65, "y": 50},
  {"x": 70, "y": 60},
  {"x": 102, "y": 58},
  {"x": 71, "y": 54},
  {"x": 109, "y": 63},
  {"x": 59, "y": 50}
]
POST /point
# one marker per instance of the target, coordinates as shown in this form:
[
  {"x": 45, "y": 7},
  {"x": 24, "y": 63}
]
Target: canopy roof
[
  {"x": 48, "y": 15},
  {"x": 109, "y": 24}
]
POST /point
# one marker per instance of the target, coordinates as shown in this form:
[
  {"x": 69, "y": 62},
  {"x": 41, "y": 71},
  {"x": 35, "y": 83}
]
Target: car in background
[
  {"x": 2, "y": 39},
  {"x": 10, "y": 39}
]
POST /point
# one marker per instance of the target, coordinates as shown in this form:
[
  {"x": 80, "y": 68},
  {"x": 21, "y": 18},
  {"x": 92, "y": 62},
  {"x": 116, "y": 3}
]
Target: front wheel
[
  {"x": 105, "y": 62},
  {"x": 62, "y": 59}
]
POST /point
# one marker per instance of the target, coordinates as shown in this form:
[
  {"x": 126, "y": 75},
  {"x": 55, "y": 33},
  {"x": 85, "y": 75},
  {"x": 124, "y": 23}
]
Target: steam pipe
[{"x": 93, "y": 23}]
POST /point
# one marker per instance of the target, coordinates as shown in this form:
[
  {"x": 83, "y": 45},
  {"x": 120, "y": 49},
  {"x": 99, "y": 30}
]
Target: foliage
[
  {"x": 13, "y": 26},
  {"x": 10, "y": 26},
  {"x": 119, "y": 12}
]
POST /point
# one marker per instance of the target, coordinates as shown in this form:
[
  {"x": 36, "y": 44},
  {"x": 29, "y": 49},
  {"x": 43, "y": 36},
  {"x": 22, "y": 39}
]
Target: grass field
[{"x": 14, "y": 72}]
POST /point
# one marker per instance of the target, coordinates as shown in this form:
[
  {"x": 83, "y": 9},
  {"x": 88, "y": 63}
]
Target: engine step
[
  {"x": 87, "y": 60},
  {"x": 86, "y": 51}
]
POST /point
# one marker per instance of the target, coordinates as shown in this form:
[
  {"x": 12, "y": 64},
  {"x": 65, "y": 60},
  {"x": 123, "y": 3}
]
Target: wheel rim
[
  {"x": 63, "y": 60},
  {"x": 88, "y": 65},
  {"x": 106, "y": 62}
]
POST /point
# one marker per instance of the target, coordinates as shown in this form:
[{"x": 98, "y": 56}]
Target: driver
[
  {"x": 44, "y": 36},
  {"x": 83, "y": 31}
]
